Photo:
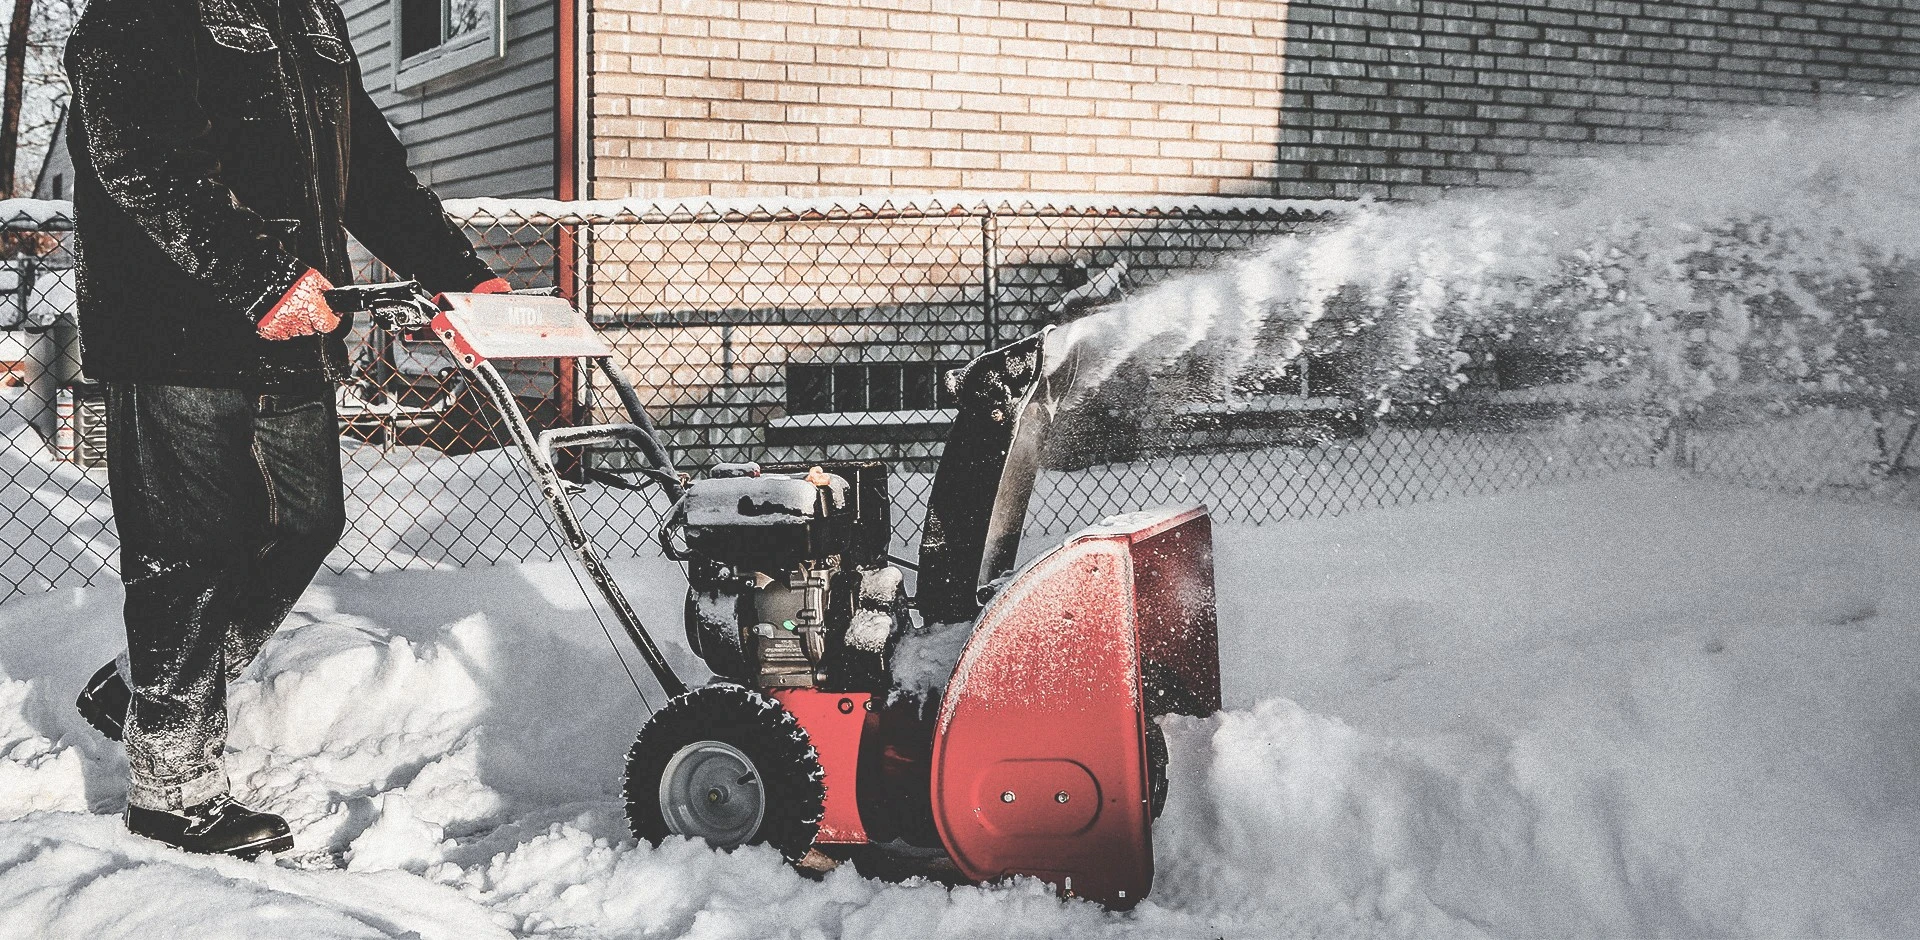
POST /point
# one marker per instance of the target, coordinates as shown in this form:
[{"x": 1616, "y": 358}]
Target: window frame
[
  {"x": 449, "y": 56},
  {"x": 824, "y": 379}
]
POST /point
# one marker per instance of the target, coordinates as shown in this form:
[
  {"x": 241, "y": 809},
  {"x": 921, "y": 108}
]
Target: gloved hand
[{"x": 301, "y": 311}]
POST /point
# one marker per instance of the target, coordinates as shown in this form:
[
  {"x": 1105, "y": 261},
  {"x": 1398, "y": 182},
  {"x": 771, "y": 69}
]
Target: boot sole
[
  {"x": 96, "y": 716},
  {"x": 245, "y": 850},
  {"x": 253, "y": 850},
  {"x": 98, "y": 719}
]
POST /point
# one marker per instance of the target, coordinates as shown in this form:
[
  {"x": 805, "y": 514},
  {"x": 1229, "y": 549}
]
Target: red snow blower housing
[{"x": 1039, "y": 757}]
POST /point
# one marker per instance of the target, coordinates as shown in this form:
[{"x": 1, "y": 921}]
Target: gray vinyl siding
[
  {"x": 58, "y": 163},
  {"x": 483, "y": 131}
]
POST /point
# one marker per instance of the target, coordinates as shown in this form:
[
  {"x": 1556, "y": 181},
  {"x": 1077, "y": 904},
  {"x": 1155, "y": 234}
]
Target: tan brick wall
[
  {"x": 817, "y": 97},
  {"x": 1406, "y": 98}
]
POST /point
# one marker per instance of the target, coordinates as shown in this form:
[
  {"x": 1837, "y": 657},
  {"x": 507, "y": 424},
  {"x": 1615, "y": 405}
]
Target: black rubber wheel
[
  {"x": 1156, "y": 768},
  {"x": 729, "y": 765}
]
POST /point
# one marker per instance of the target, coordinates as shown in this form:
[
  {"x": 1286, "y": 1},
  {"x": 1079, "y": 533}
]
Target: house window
[
  {"x": 818, "y": 388},
  {"x": 1331, "y": 375},
  {"x": 1313, "y": 375},
  {"x": 59, "y": 186},
  {"x": 437, "y": 37}
]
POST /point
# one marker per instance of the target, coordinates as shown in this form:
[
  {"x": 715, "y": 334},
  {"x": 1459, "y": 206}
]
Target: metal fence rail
[{"x": 796, "y": 330}]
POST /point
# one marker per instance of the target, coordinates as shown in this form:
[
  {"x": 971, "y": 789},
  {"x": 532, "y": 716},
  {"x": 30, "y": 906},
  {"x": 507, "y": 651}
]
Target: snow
[
  {"x": 751, "y": 501},
  {"x": 872, "y": 623},
  {"x": 1618, "y": 703},
  {"x": 40, "y": 213},
  {"x": 1770, "y": 252},
  {"x": 58, "y": 520},
  {"x": 924, "y": 660},
  {"x": 1631, "y": 706},
  {"x": 774, "y": 499},
  {"x": 483, "y": 210},
  {"x": 869, "y": 630}
]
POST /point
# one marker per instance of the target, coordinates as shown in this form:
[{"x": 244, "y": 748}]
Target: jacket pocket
[
  {"x": 287, "y": 232},
  {"x": 242, "y": 77},
  {"x": 328, "y": 48},
  {"x": 242, "y": 38}
]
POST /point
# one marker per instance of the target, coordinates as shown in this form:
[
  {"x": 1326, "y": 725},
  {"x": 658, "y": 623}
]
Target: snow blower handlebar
[
  {"x": 1042, "y": 758},
  {"x": 980, "y": 490},
  {"x": 479, "y": 328},
  {"x": 396, "y": 307}
]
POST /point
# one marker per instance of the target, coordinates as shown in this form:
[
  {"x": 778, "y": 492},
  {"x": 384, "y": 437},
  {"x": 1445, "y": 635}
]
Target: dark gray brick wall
[{"x": 1406, "y": 98}]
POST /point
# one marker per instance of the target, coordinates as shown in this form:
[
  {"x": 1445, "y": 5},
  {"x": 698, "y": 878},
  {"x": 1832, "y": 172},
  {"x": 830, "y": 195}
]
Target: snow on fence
[{"x": 796, "y": 330}]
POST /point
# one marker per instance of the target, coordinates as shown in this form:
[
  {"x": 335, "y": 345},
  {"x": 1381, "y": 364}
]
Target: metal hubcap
[{"x": 712, "y": 791}]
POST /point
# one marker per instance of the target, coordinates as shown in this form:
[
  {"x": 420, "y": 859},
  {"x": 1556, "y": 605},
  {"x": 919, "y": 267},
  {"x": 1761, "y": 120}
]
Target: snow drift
[{"x": 1635, "y": 707}]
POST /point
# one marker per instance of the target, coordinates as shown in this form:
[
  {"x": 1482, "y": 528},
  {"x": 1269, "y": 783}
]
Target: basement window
[
  {"x": 1313, "y": 375},
  {"x": 432, "y": 38},
  {"x": 842, "y": 388}
]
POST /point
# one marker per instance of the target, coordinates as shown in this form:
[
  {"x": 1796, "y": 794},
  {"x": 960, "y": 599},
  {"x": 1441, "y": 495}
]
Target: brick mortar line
[{"x": 1714, "y": 80}]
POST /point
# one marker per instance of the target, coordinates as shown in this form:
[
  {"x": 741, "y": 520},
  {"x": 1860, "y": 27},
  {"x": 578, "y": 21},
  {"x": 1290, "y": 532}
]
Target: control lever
[
  {"x": 401, "y": 306},
  {"x": 396, "y": 307}
]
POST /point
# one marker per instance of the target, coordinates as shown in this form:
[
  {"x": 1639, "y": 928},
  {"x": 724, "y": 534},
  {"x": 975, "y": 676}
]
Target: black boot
[
  {"x": 103, "y": 703},
  {"x": 217, "y": 827}
]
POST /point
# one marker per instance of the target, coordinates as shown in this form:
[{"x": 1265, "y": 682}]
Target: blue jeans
[{"x": 227, "y": 502}]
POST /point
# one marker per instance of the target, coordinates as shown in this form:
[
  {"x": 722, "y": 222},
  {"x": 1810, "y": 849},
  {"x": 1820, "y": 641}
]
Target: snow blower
[{"x": 1041, "y": 755}]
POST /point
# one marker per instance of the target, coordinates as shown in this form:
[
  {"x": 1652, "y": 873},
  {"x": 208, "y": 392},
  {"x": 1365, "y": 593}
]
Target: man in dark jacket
[{"x": 222, "y": 150}]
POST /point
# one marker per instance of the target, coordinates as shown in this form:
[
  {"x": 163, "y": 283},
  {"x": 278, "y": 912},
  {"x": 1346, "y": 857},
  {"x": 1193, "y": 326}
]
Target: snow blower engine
[
  {"x": 1036, "y": 754},
  {"x": 789, "y": 583}
]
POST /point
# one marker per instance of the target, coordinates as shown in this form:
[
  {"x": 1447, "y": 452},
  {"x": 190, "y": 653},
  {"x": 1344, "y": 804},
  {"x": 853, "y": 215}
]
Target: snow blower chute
[{"x": 1041, "y": 757}]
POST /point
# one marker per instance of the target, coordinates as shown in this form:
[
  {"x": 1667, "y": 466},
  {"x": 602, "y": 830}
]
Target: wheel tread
[{"x": 750, "y": 720}]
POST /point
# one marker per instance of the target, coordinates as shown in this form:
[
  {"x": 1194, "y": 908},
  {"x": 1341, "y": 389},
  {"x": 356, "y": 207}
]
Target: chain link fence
[{"x": 794, "y": 331}]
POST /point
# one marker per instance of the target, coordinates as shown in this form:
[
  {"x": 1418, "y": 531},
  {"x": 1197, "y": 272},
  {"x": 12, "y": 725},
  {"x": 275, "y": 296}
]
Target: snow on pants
[{"x": 227, "y": 501}]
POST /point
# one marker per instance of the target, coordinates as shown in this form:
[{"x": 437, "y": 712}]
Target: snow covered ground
[{"x": 1633, "y": 706}]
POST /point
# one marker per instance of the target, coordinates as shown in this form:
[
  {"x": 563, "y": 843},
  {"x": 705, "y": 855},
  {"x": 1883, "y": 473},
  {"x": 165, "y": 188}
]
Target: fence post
[
  {"x": 990, "y": 276},
  {"x": 1672, "y": 450}
]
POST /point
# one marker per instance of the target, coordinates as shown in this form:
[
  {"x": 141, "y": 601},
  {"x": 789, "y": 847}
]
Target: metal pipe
[
  {"x": 702, "y": 211},
  {"x": 548, "y": 478},
  {"x": 637, "y": 413},
  {"x": 990, "y": 277}
]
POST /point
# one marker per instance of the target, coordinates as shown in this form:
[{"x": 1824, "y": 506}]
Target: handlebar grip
[{"x": 397, "y": 307}]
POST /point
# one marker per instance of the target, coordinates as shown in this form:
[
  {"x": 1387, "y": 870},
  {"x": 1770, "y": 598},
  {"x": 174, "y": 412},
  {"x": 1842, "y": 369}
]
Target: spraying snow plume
[{"x": 1766, "y": 252}]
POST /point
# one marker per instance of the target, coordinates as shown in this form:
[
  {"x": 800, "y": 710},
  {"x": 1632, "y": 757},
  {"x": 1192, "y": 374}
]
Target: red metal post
[{"x": 566, "y": 178}]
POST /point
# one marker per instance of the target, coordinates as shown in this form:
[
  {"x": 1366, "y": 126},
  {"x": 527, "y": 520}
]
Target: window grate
[{"x": 841, "y": 388}]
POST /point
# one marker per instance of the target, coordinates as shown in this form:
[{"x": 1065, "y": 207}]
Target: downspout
[
  {"x": 570, "y": 73},
  {"x": 570, "y": 172},
  {"x": 583, "y": 102}
]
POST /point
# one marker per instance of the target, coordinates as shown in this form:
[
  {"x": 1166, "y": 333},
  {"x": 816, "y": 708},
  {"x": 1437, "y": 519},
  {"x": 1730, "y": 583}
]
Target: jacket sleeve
[
  {"x": 135, "y": 100},
  {"x": 400, "y": 220}
]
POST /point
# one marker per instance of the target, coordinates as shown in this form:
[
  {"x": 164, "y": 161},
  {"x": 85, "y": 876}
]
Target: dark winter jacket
[{"x": 221, "y": 149}]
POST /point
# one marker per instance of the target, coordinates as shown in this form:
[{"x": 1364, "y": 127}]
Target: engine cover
[
  {"x": 770, "y": 522},
  {"x": 789, "y": 585}
]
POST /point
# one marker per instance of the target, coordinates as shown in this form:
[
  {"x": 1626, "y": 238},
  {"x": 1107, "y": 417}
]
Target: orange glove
[{"x": 301, "y": 311}]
